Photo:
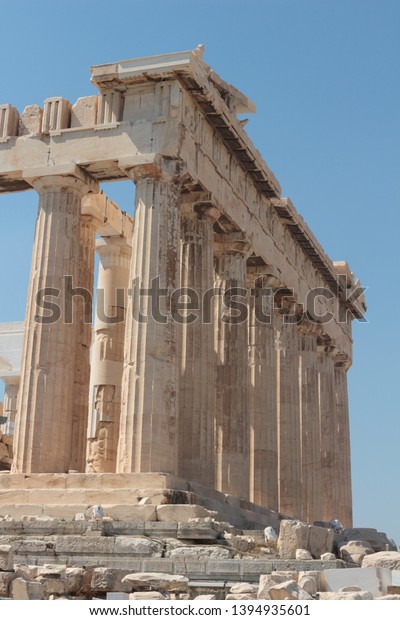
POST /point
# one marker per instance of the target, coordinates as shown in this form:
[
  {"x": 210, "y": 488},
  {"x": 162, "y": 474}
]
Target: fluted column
[
  {"x": 108, "y": 354},
  {"x": 83, "y": 318},
  {"x": 231, "y": 341},
  {"x": 288, "y": 405},
  {"x": 262, "y": 394},
  {"x": 197, "y": 367},
  {"x": 327, "y": 415},
  {"x": 342, "y": 443},
  {"x": 148, "y": 440},
  {"x": 11, "y": 388},
  {"x": 310, "y": 427},
  {"x": 43, "y": 430}
]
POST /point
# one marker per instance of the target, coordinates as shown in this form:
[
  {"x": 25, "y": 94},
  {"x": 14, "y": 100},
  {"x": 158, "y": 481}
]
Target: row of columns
[{"x": 257, "y": 410}]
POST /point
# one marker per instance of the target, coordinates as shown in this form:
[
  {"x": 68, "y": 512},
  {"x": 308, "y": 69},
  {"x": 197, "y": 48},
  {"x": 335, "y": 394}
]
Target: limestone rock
[
  {"x": 239, "y": 597},
  {"x": 328, "y": 557},
  {"x": 52, "y": 586},
  {"x": 244, "y": 588},
  {"x": 389, "y": 597},
  {"x": 355, "y": 551},
  {"x": 346, "y": 596},
  {"x": 5, "y": 580},
  {"x": 268, "y": 581},
  {"x": 377, "y": 540},
  {"x": 22, "y": 590},
  {"x": 103, "y": 580},
  {"x": 303, "y": 554},
  {"x": 161, "y": 581},
  {"x": 6, "y": 558},
  {"x": 74, "y": 580},
  {"x": 317, "y": 575},
  {"x": 295, "y": 535},
  {"x": 205, "y": 597},
  {"x": 147, "y": 596},
  {"x": 385, "y": 559},
  {"x": 31, "y": 120},
  {"x": 308, "y": 584},
  {"x": 288, "y": 591},
  {"x": 83, "y": 113}
]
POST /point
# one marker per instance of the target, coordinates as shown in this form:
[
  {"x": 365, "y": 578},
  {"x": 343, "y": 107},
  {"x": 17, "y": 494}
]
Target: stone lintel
[{"x": 113, "y": 221}]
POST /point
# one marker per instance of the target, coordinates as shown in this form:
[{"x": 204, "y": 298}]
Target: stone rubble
[{"x": 170, "y": 569}]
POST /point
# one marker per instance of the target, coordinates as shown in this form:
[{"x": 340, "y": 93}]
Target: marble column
[
  {"x": 197, "y": 364},
  {"x": 327, "y": 414},
  {"x": 310, "y": 427},
  {"x": 231, "y": 342},
  {"x": 148, "y": 440},
  {"x": 288, "y": 405},
  {"x": 342, "y": 443},
  {"x": 83, "y": 318},
  {"x": 108, "y": 354},
  {"x": 11, "y": 388},
  {"x": 262, "y": 393},
  {"x": 43, "y": 430}
]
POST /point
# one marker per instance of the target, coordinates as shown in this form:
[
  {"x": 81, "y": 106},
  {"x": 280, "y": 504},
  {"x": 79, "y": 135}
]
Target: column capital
[
  {"x": 342, "y": 360},
  {"x": 267, "y": 275},
  {"x": 231, "y": 244},
  {"x": 63, "y": 176},
  {"x": 326, "y": 346},
  {"x": 156, "y": 167}
]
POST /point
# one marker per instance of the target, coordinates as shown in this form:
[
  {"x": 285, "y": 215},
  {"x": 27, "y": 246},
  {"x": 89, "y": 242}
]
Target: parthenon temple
[{"x": 217, "y": 360}]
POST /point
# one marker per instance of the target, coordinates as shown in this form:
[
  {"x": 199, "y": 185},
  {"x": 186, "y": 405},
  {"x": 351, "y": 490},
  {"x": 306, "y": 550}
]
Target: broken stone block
[
  {"x": 315, "y": 574},
  {"x": 268, "y": 581},
  {"x": 328, "y": 557},
  {"x": 239, "y": 597},
  {"x": 147, "y": 596},
  {"x": 308, "y": 584},
  {"x": 52, "y": 586},
  {"x": 74, "y": 580},
  {"x": 103, "y": 580},
  {"x": 303, "y": 554},
  {"x": 346, "y": 596},
  {"x": 84, "y": 111},
  {"x": 288, "y": 591},
  {"x": 293, "y": 535},
  {"x": 355, "y": 551},
  {"x": 22, "y": 590},
  {"x": 244, "y": 588},
  {"x": 378, "y": 540},
  {"x": 205, "y": 597},
  {"x": 385, "y": 559},
  {"x": 5, "y": 580},
  {"x": 161, "y": 581},
  {"x": 31, "y": 121},
  {"x": 6, "y": 558}
]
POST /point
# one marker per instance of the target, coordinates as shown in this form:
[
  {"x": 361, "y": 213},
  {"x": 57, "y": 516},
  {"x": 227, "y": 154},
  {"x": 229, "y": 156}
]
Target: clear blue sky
[{"x": 325, "y": 77}]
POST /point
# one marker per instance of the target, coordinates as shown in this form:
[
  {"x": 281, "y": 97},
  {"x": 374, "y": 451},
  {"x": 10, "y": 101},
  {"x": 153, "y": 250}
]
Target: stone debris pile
[{"x": 44, "y": 558}]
